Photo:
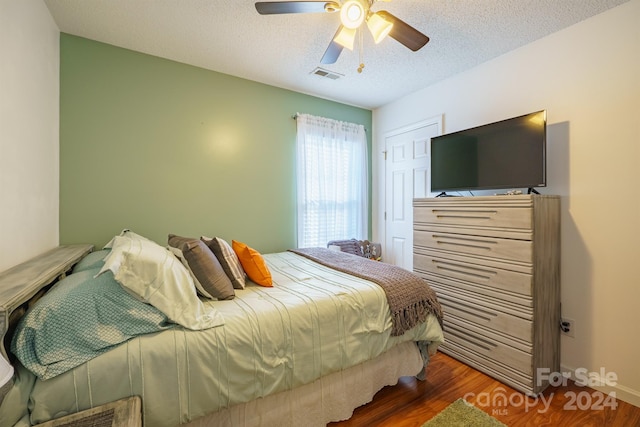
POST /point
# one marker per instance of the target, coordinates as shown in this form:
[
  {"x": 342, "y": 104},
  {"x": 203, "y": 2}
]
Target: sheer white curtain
[{"x": 332, "y": 181}]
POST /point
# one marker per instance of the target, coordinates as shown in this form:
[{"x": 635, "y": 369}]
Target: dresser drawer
[
  {"x": 483, "y": 275},
  {"x": 497, "y": 370},
  {"x": 515, "y": 250},
  {"x": 476, "y": 216},
  {"x": 516, "y": 359},
  {"x": 509, "y": 302},
  {"x": 483, "y": 315}
]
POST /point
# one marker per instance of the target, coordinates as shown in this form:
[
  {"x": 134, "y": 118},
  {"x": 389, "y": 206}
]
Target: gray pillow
[
  {"x": 229, "y": 261},
  {"x": 351, "y": 246},
  {"x": 209, "y": 276}
]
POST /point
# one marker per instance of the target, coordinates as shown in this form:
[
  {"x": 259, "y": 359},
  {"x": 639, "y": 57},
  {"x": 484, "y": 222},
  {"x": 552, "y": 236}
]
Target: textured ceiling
[{"x": 229, "y": 36}]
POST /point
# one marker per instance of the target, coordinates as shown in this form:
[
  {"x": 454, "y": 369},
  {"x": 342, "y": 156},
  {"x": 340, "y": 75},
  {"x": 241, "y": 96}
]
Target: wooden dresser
[{"x": 495, "y": 263}]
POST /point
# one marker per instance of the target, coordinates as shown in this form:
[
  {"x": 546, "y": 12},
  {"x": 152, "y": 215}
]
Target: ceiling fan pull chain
[{"x": 361, "y": 50}]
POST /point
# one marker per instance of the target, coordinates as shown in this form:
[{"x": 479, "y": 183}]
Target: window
[{"x": 332, "y": 178}]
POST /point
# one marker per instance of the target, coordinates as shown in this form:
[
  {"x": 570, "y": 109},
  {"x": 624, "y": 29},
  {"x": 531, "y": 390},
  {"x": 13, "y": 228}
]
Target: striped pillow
[{"x": 228, "y": 259}]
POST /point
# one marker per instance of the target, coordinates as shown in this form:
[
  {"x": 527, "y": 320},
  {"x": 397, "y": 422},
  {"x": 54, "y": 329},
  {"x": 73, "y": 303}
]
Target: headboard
[{"x": 22, "y": 285}]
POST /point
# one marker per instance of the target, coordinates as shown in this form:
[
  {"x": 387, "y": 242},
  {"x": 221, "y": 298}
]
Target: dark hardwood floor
[{"x": 411, "y": 403}]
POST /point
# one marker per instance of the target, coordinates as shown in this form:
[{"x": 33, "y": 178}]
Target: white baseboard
[{"x": 597, "y": 382}]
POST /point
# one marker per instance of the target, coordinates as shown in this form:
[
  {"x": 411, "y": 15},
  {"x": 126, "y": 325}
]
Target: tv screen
[{"x": 506, "y": 154}]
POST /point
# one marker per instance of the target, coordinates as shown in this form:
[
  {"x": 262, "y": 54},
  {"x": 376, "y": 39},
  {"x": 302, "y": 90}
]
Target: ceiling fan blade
[
  {"x": 277, "y": 7},
  {"x": 404, "y": 33},
  {"x": 333, "y": 51}
]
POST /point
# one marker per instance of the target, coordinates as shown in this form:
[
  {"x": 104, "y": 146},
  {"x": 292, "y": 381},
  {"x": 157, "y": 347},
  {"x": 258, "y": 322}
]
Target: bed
[{"x": 305, "y": 350}]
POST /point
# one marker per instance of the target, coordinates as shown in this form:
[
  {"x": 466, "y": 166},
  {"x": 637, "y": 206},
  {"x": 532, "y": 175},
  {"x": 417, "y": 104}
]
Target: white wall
[
  {"x": 587, "y": 77},
  {"x": 29, "y": 117}
]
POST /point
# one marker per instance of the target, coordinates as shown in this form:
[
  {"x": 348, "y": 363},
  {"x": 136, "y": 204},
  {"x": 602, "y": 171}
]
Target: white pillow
[
  {"x": 124, "y": 233},
  {"x": 155, "y": 275}
]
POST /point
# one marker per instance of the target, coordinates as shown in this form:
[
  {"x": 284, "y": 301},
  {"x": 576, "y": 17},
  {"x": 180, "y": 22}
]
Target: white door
[{"x": 406, "y": 177}]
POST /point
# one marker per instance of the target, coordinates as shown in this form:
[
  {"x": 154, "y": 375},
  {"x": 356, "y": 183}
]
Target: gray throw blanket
[{"x": 409, "y": 296}]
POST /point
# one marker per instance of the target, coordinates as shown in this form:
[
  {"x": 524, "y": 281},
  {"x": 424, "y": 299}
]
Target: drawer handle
[
  {"x": 475, "y": 272},
  {"x": 484, "y": 344},
  {"x": 465, "y": 214},
  {"x": 485, "y": 315},
  {"x": 465, "y": 241}
]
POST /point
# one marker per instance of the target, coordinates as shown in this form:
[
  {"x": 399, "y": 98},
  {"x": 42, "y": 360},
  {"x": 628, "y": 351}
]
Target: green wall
[{"x": 162, "y": 147}]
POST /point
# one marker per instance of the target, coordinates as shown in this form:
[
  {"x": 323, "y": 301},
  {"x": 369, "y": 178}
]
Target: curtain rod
[{"x": 295, "y": 117}]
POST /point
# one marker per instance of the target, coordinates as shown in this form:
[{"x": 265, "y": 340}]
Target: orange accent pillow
[{"x": 253, "y": 264}]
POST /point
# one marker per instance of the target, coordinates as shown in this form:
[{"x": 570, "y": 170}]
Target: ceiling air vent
[{"x": 326, "y": 73}]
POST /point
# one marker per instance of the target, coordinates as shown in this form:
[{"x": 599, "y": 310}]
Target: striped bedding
[{"x": 314, "y": 321}]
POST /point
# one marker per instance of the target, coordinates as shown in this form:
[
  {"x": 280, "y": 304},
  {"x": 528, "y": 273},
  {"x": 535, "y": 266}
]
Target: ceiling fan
[{"x": 353, "y": 14}]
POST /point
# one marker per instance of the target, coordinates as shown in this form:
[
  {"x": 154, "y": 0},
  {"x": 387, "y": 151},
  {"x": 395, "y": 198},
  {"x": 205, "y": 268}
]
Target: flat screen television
[{"x": 507, "y": 154}]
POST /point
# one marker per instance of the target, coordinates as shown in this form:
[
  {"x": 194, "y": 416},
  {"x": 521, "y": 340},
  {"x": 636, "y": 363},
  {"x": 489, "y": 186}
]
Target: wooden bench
[{"x": 121, "y": 413}]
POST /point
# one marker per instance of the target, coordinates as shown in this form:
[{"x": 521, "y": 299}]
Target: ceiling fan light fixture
[
  {"x": 352, "y": 14},
  {"x": 379, "y": 27},
  {"x": 346, "y": 37}
]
